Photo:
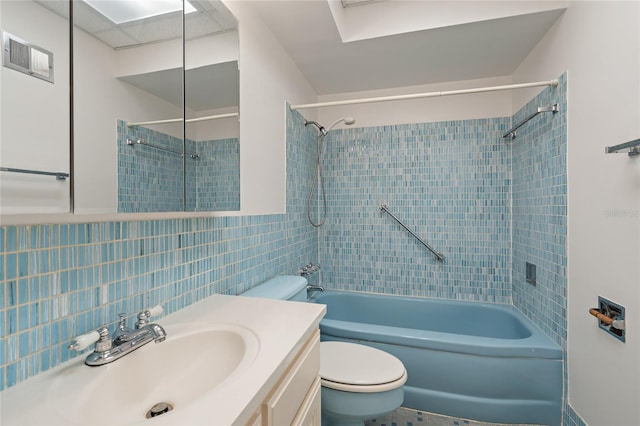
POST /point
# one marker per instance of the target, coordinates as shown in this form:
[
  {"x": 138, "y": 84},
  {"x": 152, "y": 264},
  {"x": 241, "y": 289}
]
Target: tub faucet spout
[{"x": 313, "y": 288}]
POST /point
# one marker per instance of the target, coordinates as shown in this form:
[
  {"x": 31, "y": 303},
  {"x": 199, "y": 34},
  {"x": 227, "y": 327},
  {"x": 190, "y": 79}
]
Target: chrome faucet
[
  {"x": 124, "y": 340},
  {"x": 313, "y": 288}
]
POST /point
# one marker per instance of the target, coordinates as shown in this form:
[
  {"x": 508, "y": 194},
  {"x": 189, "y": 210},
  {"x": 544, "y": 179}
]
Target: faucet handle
[
  {"x": 84, "y": 340},
  {"x": 100, "y": 337},
  {"x": 104, "y": 343},
  {"x": 122, "y": 317},
  {"x": 155, "y": 311},
  {"x": 143, "y": 316}
]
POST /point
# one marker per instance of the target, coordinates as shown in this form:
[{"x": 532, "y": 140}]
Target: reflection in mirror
[
  {"x": 108, "y": 51},
  {"x": 128, "y": 99},
  {"x": 212, "y": 97},
  {"x": 35, "y": 124}
]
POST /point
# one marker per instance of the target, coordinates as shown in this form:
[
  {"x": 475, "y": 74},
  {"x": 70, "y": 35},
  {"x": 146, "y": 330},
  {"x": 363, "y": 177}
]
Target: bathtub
[{"x": 473, "y": 360}]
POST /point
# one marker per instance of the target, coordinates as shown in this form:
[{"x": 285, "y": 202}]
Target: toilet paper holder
[{"x": 611, "y": 317}]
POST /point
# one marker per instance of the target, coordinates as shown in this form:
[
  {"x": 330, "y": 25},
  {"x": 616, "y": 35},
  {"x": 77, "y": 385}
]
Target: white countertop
[{"x": 280, "y": 326}]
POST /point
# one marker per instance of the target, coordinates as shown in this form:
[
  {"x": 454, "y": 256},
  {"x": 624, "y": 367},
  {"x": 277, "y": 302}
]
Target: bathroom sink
[{"x": 191, "y": 363}]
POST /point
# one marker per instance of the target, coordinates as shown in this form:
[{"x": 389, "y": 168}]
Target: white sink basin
[{"x": 193, "y": 362}]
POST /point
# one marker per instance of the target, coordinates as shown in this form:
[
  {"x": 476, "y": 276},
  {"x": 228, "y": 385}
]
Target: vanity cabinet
[{"x": 295, "y": 399}]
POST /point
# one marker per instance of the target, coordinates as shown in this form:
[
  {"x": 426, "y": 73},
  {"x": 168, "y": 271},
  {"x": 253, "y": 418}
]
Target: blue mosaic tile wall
[
  {"x": 58, "y": 281},
  {"x": 539, "y": 190},
  {"x": 540, "y": 213},
  {"x": 218, "y": 175},
  {"x": 149, "y": 179},
  {"x": 449, "y": 181},
  {"x": 572, "y": 418}
]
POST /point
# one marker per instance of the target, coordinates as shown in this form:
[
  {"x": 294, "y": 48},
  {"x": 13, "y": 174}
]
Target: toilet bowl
[{"x": 358, "y": 382}]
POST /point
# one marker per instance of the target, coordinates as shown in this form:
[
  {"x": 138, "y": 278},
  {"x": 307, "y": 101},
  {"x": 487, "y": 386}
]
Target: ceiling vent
[{"x": 25, "y": 57}]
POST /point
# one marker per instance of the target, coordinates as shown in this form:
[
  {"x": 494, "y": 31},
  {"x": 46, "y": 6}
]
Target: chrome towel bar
[
  {"x": 58, "y": 175},
  {"x": 195, "y": 156},
  {"x": 633, "y": 146},
  {"x": 438, "y": 255}
]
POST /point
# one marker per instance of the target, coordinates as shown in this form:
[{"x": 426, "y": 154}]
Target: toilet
[{"x": 358, "y": 382}]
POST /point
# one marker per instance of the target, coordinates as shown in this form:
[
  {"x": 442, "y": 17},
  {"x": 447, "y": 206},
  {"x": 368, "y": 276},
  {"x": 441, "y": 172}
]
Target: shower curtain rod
[
  {"x": 425, "y": 95},
  {"x": 179, "y": 120}
]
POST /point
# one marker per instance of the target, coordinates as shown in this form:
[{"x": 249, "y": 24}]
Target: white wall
[
  {"x": 458, "y": 107},
  {"x": 100, "y": 100},
  {"x": 34, "y": 133},
  {"x": 223, "y": 128},
  {"x": 268, "y": 79},
  {"x": 598, "y": 43}
]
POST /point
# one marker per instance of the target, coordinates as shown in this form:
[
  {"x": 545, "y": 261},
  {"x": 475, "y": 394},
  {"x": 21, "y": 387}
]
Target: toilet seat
[{"x": 352, "y": 367}]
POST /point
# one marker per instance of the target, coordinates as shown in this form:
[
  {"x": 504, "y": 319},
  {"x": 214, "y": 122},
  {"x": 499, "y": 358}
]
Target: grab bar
[
  {"x": 58, "y": 175},
  {"x": 512, "y": 131},
  {"x": 439, "y": 256},
  {"x": 195, "y": 156}
]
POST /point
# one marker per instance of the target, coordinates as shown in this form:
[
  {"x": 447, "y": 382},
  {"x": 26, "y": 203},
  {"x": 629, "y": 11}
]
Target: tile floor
[{"x": 408, "y": 417}]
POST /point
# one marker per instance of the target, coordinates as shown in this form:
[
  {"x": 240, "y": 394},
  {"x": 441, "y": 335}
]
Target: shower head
[
  {"x": 321, "y": 129},
  {"x": 347, "y": 120}
]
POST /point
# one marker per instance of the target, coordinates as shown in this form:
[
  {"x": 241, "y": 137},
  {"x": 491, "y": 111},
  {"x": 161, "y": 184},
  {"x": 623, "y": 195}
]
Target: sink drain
[{"x": 159, "y": 409}]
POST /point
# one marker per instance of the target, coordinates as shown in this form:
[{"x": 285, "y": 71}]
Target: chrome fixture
[
  {"x": 550, "y": 108},
  {"x": 439, "y": 256},
  {"x": 318, "y": 172},
  {"x": 309, "y": 269},
  {"x": 58, "y": 175},
  {"x": 313, "y": 288},
  {"x": 611, "y": 318},
  {"x": 321, "y": 129},
  {"x": 131, "y": 142},
  {"x": 633, "y": 147},
  {"x": 124, "y": 340}
]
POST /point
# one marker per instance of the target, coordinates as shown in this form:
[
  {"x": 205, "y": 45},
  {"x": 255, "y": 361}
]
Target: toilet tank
[{"x": 283, "y": 287}]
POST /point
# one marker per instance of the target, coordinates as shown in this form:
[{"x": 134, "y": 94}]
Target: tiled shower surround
[
  {"x": 454, "y": 183},
  {"x": 489, "y": 204},
  {"x": 449, "y": 182},
  {"x": 218, "y": 175},
  {"x": 539, "y": 192},
  {"x": 150, "y": 180}
]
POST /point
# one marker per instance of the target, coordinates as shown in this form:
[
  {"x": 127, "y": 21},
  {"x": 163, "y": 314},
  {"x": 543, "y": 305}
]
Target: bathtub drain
[{"x": 159, "y": 409}]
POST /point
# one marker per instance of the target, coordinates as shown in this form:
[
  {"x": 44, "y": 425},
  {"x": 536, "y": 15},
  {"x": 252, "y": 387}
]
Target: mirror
[
  {"x": 35, "y": 120},
  {"x": 212, "y": 98},
  {"x": 130, "y": 74}
]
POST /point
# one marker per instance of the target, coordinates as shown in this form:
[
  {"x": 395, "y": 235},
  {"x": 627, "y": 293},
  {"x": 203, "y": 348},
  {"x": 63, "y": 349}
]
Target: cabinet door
[
  {"x": 283, "y": 405},
  {"x": 309, "y": 413}
]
